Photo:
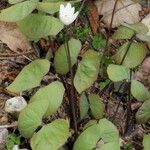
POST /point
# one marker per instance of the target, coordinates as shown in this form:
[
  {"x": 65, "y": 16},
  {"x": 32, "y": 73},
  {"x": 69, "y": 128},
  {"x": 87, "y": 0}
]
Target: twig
[
  {"x": 128, "y": 47},
  {"x": 15, "y": 124},
  {"x": 72, "y": 93}
]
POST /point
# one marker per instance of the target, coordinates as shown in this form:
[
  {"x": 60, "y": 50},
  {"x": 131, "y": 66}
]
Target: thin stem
[
  {"x": 72, "y": 93},
  {"x": 128, "y": 104},
  {"x": 128, "y": 47},
  {"x": 109, "y": 29}
]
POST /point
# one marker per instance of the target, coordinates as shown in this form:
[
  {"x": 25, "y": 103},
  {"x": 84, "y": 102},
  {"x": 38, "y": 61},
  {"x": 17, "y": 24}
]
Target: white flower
[{"x": 67, "y": 14}]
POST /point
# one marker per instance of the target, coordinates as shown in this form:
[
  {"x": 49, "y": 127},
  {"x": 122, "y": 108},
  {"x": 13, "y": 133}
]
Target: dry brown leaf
[
  {"x": 93, "y": 16},
  {"x": 126, "y": 11},
  {"x": 143, "y": 74},
  {"x": 146, "y": 21},
  {"x": 12, "y": 36}
]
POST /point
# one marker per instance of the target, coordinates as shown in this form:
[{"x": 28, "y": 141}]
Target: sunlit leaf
[
  {"x": 87, "y": 70},
  {"x": 104, "y": 130},
  {"x": 61, "y": 56},
  {"x": 17, "y": 12},
  {"x": 51, "y": 136},
  {"x": 118, "y": 73},
  {"x": 139, "y": 91},
  {"x": 30, "y": 76},
  {"x": 31, "y": 117},
  {"x": 134, "y": 57},
  {"x": 53, "y": 93},
  {"x": 36, "y": 26}
]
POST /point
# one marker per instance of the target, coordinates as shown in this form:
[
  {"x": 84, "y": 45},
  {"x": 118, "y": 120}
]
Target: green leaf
[
  {"x": 88, "y": 138},
  {"x": 104, "y": 130},
  {"x": 61, "y": 57},
  {"x": 14, "y": 1},
  {"x": 51, "y": 136},
  {"x": 18, "y": 1},
  {"x": 90, "y": 123},
  {"x": 123, "y": 33},
  {"x": 143, "y": 114},
  {"x": 139, "y": 91},
  {"x": 51, "y": 7},
  {"x": 109, "y": 132},
  {"x": 108, "y": 146},
  {"x": 83, "y": 105},
  {"x": 118, "y": 73},
  {"x": 31, "y": 117},
  {"x": 17, "y": 12},
  {"x": 96, "y": 106},
  {"x": 87, "y": 70},
  {"x": 146, "y": 142},
  {"x": 30, "y": 76},
  {"x": 98, "y": 42},
  {"x": 138, "y": 28},
  {"x": 37, "y": 26},
  {"x": 134, "y": 57},
  {"x": 53, "y": 93}
]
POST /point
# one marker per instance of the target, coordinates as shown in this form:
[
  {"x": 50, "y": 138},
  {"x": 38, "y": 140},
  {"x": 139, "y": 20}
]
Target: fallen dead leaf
[
  {"x": 146, "y": 21},
  {"x": 93, "y": 16},
  {"x": 12, "y": 36},
  {"x": 143, "y": 74},
  {"x": 126, "y": 11}
]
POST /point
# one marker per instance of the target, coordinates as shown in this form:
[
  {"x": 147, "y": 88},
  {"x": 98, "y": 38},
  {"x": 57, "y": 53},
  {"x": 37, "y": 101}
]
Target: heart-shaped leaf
[
  {"x": 139, "y": 91},
  {"x": 61, "y": 57},
  {"x": 96, "y": 106},
  {"x": 53, "y": 93},
  {"x": 87, "y": 70},
  {"x": 89, "y": 138},
  {"x": 134, "y": 57},
  {"x": 118, "y": 73},
  {"x": 30, "y": 76},
  {"x": 143, "y": 114},
  {"x": 36, "y": 26},
  {"x": 17, "y": 12},
  {"x": 51, "y": 136},
  {"x": 123, "y": 33},
  {"x": 31, "y": 117}
]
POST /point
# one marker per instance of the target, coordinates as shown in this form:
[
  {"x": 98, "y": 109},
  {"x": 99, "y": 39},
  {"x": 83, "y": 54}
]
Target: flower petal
[
  {"x": 62, "y": 7},
  {"x": 68, "y": 6},
  {"x": 72, "y": 11},
  {"x": 75, "y": 15}
]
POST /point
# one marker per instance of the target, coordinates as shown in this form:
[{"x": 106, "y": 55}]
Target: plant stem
[
  {"x": 128, "y": 47},
  {"x": 72, "y": 92}
]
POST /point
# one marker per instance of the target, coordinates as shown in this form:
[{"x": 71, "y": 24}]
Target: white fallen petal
[{"x": 15, "y": 104}]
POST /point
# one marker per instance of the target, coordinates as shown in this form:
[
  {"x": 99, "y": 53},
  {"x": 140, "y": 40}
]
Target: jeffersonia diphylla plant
[{"x": 46, "y": 101}]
